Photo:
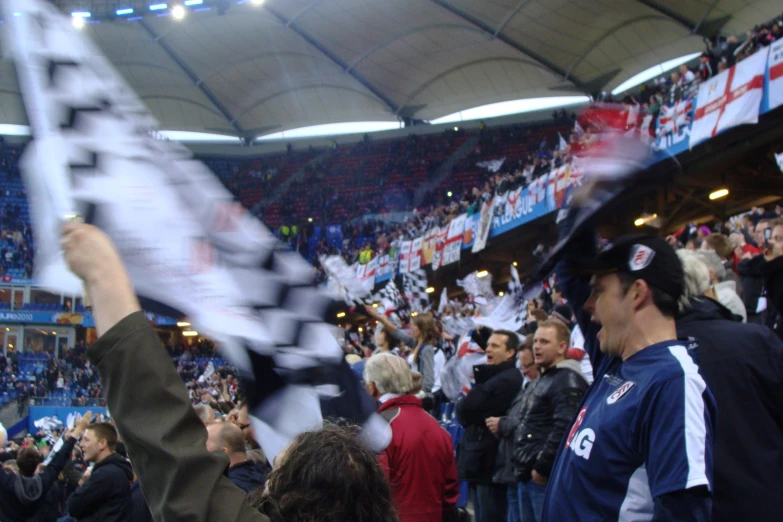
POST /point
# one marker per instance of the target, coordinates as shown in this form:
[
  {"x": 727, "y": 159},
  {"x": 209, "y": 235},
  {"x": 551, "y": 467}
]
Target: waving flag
[
  {"x": 187, "y": 245},
  {"x": 731, "y": 98}
]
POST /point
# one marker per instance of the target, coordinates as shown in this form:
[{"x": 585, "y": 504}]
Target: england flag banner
[
  {"x": 405, "y": 256},
  {"x": 731, "y": 98},
  {"x": 187, "y": 246},
  {"x": 451, "y": 251},
  {"x": 415, "y": 255},
  {"x": 483, "y": 226},
  {"x": 776, "y": 74}
]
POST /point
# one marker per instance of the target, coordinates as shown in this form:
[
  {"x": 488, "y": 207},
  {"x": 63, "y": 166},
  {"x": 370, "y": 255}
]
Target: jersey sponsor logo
[
  {"x": 620, "y": 392},
  {"x": 583, "y": 443},
  {"x": 575, "y": 427},
  {"x": 641, "y": 257}
]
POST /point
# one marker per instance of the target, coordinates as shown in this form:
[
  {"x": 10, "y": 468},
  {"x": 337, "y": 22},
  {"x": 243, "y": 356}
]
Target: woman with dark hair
[
  {"x": 385, "y": 341},
  {"x": 329, "y": 476}
]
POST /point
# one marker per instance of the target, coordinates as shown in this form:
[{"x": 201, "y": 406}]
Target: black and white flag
[
  {"x": 187, "y": 245},
  {"x": 414, "y": 288}
]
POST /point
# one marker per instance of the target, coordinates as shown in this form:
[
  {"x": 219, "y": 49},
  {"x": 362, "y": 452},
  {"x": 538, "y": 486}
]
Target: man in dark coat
[
  {"x": 743, "y": 366},
  {"x": 772, "y": 271},
  {"x": 497, "y": 383},
  {"x": 104, "y": 494}
]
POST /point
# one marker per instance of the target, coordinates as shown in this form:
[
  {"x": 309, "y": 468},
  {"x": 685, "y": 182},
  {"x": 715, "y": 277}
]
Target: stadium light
[
  {"x": 124, "y": 11},
  {"x": 644, "y": 219},
  {"x": 256, "y": 2},
  {"x": 178, "y": 12},
  {"x": 501, "y": 294},
  {"x": 78, "y": 22},
  {"x": 340, "y": 315},
  {"x": 449, "y": 193},
  {"x": 361, "y": 329},
  {"x": 482, "y": 273},
  {"x": 375, "y": 305},
  {"x": 414, "y": 314},
  {"x": 182, "y": 324},
  {"x": 309, "y": 220},
  {"x": 430, "y": 290},
  {"x": 514, "y": 263},
  {"x": 193, "y": 2},
  {"x": 190, "y": 333},
  {"x": 81, "y": 14},
  {"x": 719, "y": 194},
  {"x": 158, "y": 7}
]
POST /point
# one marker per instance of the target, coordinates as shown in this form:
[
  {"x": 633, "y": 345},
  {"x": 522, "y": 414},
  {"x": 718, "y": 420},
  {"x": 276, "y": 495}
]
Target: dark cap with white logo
[{"x": 649, "y": 258}]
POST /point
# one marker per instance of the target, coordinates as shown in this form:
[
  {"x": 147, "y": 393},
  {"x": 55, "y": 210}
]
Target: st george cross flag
[
  {"x": 185, "y": 243},
  {"x": 731, "y": 98},
  {"x": 775, "y": 66}
]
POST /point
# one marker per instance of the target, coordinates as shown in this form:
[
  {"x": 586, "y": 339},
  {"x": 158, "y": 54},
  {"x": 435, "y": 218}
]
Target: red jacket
[{"x": 419, "y": 462}]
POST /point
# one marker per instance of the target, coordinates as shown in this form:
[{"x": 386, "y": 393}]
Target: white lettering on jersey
[
  {"x": 620, "y": 392},
  {"x": 583, "y": 443}
]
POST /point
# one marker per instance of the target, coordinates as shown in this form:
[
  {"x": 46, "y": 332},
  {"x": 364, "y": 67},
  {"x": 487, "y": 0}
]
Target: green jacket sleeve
[{"x": 164, "y": 437}]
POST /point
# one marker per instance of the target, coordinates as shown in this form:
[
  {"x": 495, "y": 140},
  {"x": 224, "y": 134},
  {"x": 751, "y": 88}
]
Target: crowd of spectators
[{"x": 46, "y": 380}]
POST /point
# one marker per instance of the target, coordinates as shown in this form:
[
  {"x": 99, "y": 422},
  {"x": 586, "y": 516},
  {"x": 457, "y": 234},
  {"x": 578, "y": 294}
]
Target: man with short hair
[
  {"x": 743, "y": 365},
  {"x": 228, "y": 438},
  {"x": 641, "y": 445},
  {"x": 419, "y": 461},
  {"x": 505, "y": 429},
  {"x": 772, "y": 271},
  {"x": 497, "y": 383},
  {"x": 546, "y": 411},
  {"x": 106, "y": 495}
]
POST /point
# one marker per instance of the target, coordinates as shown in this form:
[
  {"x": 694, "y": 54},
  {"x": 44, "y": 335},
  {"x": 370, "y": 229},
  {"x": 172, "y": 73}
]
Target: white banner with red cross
[{"x": 731, "y": 98}]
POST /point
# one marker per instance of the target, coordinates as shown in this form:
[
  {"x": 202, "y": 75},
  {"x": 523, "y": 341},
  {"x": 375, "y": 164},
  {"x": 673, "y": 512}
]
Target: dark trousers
[{"x": 489, "y": 502}]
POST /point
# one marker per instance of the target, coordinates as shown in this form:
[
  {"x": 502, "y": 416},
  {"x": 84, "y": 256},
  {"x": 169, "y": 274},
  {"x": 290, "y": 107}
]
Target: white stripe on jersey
[
  {"x": 638, "y": 503},
  {"x": 695, "y": 427}
]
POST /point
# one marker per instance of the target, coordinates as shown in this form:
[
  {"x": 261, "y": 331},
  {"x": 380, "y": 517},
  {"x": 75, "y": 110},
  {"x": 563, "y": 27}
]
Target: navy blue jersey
[{"x": 645, "y": 428}]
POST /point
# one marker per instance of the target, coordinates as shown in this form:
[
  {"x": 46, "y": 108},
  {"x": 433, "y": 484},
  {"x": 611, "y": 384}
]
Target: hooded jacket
[
  {"x": 106, "y": 496},
  {"x": 548, "y": 406},
  {"x": 495, "y": 389},
  {"x": 248, "y": 475},
  {"x": 743, "y": 366},
  {"x": 20, "y": 497}
]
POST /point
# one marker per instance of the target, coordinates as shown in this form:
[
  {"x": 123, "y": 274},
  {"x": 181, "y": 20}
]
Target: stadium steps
[
  {"x": 283, "y": 187},
  {"x": 445, "y": 170}
]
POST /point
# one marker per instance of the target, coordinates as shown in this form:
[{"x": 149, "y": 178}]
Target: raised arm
[{"x": 180, "y": 479}]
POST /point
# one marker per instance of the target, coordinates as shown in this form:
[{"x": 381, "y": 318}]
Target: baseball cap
[{"x": 649, "y": 258}]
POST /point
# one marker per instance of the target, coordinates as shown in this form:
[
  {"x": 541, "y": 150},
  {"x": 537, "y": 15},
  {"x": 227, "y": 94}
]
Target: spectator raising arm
[{"x": 180, "y": 479}]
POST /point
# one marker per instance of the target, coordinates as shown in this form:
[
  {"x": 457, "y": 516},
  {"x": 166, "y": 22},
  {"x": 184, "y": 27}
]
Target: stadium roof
[{"x": 245, "y": 70}]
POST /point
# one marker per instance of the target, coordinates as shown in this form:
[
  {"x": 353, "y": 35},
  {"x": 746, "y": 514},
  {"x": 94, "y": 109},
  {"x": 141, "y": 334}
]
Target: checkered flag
[
  {"x": 414, "y": 288},
  {"x": 342, "y": 283},
  {"x": 189, "y": 248},
  {"x": 511, "y": 312}
]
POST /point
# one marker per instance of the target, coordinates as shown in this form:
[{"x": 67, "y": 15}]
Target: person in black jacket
[
  {"x": 505, "y": 428},
  {"x": 21, "y": 495},
  {"x": 772, "y": 271},
  {"x": 743, "y": 366},
  {"x": 547, "y": 409},
  {"x": 104, "y": 495},
  {"x": 228, "y": 437},
  {"x": 497, "y": 383}
]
